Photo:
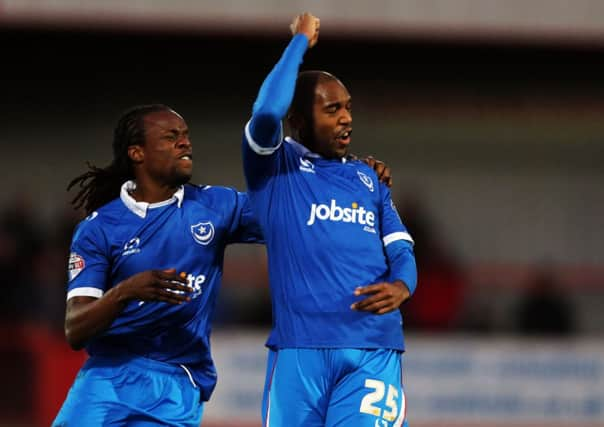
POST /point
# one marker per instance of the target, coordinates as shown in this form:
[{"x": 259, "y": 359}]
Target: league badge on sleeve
[
  {"x": 203, "y": 232},
  {"x": 75, "y": 266},
  {"x": 393, "y": 206}
]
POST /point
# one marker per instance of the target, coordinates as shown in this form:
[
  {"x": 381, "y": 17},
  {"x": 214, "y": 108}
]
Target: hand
[
  {"x": 156, "y": 285},
  {"x": 381, "y": 169},
  {"x": 385, "y": 297},
  {"x": 308, "y": 25}
]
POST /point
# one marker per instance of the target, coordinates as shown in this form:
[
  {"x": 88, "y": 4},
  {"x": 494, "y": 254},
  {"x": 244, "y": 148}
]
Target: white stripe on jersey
[
  {"x": 258, "y": 149},
  {"x": 189, "y": 374},
  {"x": 399, "y": 235},
  {"x": 85, "y": 292}
]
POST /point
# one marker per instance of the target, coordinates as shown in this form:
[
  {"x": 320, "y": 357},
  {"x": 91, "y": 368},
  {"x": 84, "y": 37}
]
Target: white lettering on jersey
[
  {"x": 194, "y": 282},
  {"x": 355, "y": 215}
]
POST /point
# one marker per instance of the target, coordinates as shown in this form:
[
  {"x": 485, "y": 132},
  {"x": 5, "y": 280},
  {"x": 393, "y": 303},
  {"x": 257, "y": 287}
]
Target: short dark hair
[
  {"x": 304, "y": 93},
  {"x": 99, "y": 186}
]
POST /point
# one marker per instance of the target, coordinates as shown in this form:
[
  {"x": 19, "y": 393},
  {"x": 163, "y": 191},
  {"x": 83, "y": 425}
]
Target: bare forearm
[{"x": 86, "y": 318}]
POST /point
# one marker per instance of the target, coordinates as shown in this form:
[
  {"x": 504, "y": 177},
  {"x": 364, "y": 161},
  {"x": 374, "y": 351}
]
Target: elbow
[
  {"x": 265, "y": 128},
  {"x": 75, "y": 342},
  {"x": 267, "y": 119}
]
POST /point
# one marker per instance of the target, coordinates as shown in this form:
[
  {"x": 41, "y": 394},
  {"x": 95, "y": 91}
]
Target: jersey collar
[
  {"x": 140, "y": 208},
  {"x": 302, "y": 151}
]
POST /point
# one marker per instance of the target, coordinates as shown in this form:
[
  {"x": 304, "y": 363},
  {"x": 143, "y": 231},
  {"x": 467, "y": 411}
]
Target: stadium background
[{"x": 489, "y": 113}]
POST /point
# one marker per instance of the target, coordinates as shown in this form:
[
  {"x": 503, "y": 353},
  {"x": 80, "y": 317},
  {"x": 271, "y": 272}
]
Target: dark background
[{"x": 496, "y": 148}]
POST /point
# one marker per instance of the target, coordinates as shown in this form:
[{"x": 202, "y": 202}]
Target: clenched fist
[{"x": 308, "y": 25}]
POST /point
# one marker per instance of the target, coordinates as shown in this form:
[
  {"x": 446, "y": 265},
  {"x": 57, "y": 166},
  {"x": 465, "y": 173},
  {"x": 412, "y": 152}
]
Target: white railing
[{"x": 449, "y": 381}]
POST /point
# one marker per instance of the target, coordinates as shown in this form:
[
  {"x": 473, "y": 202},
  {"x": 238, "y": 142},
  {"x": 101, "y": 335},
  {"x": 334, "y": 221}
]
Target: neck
[
  {"x": 308, "y": 143},
  {"x": 326, "y": 155},
  {"x": 144, "y": 192}
]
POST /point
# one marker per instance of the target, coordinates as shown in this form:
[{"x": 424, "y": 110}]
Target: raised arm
[{"x": 277, "y": 90}]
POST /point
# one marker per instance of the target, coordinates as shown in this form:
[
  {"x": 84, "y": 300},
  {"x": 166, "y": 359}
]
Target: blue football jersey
[
  {"x": 326, "y": 224},
  {"x": 188, "y": 233}
]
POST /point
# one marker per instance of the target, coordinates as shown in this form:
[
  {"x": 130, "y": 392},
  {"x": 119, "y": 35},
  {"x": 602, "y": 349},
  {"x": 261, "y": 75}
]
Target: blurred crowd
[
  {"x": 34, "y": 253},
  {"x": 446, "y": 300},
  {"x": 33, "y": 262}
]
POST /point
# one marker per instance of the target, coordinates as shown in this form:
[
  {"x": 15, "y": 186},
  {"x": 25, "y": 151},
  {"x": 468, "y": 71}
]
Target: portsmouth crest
[
  {"x": 203, "y": 232},
  {"x": 365, "y": 179}
]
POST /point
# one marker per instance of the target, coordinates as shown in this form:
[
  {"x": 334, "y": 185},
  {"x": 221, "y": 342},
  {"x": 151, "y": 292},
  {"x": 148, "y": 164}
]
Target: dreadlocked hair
[{"x": 99, "y": 186}]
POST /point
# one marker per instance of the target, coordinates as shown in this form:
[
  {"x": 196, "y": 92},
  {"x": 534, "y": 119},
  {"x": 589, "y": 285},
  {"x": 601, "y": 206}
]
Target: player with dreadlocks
[
  {"x": 101, "y": 185},
  {"x": 144, "y": 272}
]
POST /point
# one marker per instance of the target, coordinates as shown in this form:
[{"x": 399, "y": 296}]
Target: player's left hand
[
  {"x": 384, "y": 297},
  {"x": 381, "y": 169}
]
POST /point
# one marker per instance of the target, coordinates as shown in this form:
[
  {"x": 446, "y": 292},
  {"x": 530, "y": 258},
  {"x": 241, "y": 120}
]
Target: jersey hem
[{"x": 400, "y": 348}]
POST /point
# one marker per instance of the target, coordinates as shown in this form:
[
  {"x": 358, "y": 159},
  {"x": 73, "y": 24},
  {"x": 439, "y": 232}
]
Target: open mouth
[
  {"x": 344, "y": 137},
  {"x": 186, "y": 157}
]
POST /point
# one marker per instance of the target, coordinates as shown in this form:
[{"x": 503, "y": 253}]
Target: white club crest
[
  {"x": 365, "y": 179},
  {"x": 203, "y": 232}
]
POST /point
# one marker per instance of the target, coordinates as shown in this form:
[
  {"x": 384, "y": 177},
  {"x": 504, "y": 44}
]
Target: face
[
  {"x": 332, "y": 119},
  {"x": 167, "y": 155}
]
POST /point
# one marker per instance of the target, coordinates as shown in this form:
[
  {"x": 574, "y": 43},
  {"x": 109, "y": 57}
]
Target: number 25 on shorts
[{"x": 368, "y": 404}]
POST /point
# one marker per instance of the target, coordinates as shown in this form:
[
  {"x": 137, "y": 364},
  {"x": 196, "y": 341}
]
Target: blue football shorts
[
  {"x": 334, "y": 388},
  {"x": 134, "y": 392}
]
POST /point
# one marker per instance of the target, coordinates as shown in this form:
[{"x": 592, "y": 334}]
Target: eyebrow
[
  {"x": 175, "y": 130},
  {"x": 171, "y": 130},
  {"x": 337, "y": 103}
]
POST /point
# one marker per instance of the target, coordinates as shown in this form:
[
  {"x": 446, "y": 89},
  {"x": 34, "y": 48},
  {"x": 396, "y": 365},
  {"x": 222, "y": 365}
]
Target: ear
[
  {"x": 136, "y": 153},
  {"x": 296, "y": 123}
]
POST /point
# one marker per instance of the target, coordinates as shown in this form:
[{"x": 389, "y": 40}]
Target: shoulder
[
  {"x": 208, "y": 192},
  {"x": 105, "y": 217},
  {"x": 214, "y": 197},
  {"x": 98, "y": 222},
  {"x": 363, "y": 167},
  {"x": 365, "y": 172},
  {"x": 368, "y": 177}
]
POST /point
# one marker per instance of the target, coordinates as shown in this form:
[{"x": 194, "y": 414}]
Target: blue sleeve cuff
[{"x": 402, "y": 263}]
